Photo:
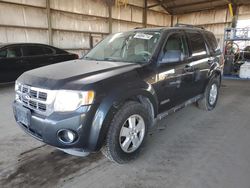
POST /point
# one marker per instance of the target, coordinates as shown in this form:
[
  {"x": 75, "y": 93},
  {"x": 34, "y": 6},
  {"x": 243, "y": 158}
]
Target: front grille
[
  {"x": 33, "y": 93},
  {"x": 35, "y": 98},
  {"x": 42, "y": 96}
]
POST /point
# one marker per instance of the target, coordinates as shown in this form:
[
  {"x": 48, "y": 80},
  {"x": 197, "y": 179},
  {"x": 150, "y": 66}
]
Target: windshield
[{"x": 135, "y": 47}]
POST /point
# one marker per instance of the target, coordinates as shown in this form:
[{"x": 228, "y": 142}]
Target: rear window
[
  {"x": 59, "y": 51},
  {"x": 211, "y": 40},
  {"x": 197, "y": 43}
]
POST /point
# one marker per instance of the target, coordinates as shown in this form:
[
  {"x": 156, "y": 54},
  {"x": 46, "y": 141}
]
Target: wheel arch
[
  {"x": 110, "y": 105},
  {"x": 216, "y": 72}
]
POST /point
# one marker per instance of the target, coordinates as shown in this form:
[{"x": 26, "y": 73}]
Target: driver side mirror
[
  {"x": 172, "y": 56},
  {"x": 218, "y": 51}
]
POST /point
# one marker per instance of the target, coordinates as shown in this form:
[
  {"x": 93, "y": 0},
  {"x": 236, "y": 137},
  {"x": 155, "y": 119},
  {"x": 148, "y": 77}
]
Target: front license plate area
[{"x": 23, "y": 115}]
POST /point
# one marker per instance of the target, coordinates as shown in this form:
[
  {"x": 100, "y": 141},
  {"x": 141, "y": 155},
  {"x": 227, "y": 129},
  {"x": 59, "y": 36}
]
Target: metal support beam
[
  {"x": 49, "y": 22},
  {"x": 145, "y": 13},
  {"x": 199, "y": 10},
  {"x": 154, "y": 5},
  {"x": 110, "y": 18},
  {"x": 195, "y": 4},
  {"x": 235, "y": 13},
  {"x": 164, "y": 7}
]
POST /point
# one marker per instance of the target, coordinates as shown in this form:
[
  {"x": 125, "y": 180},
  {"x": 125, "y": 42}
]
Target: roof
[
  {"x": 12, "y": 43},
  {"x": 21, "y": 43}
]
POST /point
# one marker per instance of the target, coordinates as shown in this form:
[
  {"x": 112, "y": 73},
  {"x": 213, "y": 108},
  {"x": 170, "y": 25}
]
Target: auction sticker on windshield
[{"x": 143, "y": 36}]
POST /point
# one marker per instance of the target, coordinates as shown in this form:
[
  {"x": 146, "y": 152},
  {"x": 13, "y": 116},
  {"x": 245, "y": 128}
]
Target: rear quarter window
[
  {"x": 48, "y": 50},
  {"x": 197, "y": 44}
]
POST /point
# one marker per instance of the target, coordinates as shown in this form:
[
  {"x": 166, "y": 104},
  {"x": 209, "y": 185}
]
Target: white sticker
[{"x": 143, "y": 36}]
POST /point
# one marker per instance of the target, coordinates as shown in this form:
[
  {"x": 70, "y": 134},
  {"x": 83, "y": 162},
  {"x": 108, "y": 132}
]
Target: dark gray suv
[{"x": 109, "y": 99}]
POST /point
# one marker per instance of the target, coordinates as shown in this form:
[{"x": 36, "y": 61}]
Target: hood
[{"x": 60, "y": 74}]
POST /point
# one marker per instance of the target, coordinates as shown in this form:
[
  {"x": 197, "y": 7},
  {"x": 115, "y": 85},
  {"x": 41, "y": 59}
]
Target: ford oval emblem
[{"x": 26, "y": 96}]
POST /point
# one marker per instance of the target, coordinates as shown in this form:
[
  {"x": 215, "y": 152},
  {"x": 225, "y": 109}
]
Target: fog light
[{"x": 66, "y": 136}]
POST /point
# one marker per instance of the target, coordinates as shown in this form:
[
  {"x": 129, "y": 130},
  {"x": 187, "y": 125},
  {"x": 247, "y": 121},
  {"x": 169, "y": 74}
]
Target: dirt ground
[{"x": 189, "y": 149}]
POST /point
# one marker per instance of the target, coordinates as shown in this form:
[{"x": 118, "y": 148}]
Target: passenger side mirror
[{"x": 172, "y": 56}]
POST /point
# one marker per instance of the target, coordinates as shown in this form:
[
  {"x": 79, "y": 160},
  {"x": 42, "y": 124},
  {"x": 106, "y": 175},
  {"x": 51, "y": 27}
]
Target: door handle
[
  {"x": 177, "y": 82},
  {"x": 23, "y": 61},
  {"x": 188, "y": 68}
]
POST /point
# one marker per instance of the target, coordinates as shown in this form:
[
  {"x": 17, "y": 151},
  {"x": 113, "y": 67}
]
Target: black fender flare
[{"x": 108, "y": 107}]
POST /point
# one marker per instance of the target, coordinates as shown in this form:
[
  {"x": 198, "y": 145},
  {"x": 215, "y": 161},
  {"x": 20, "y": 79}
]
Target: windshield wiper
[{"x": 110, "y": 59}]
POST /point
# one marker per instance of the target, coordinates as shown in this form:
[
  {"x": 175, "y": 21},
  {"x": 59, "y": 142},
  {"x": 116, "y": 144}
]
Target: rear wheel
[
  {"x": 209, "y": 100},
  {"x": 127, "y": 132}
]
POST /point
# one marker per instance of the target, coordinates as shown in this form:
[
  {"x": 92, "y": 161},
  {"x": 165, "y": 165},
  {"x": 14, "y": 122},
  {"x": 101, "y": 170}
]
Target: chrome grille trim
[{"x": 37, "y": 99}]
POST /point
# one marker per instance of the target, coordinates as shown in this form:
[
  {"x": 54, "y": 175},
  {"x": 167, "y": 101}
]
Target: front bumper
[{"x": 45, "y": 128}]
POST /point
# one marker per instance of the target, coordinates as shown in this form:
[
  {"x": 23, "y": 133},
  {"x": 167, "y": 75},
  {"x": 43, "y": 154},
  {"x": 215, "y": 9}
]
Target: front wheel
[
  {"x": 209, "y": 101},
  {"x": 127, "y": 132}
]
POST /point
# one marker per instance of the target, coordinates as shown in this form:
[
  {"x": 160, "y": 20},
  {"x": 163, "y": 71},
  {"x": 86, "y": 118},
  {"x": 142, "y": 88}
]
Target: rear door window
[
  {"x": 197, "y": 44},
  {"x": 212, "y": 42},
  {"x": 33, "y": 50}
]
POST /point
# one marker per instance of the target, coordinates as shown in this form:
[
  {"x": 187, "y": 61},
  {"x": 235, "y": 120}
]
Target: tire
[
  {"x": 119, "y": 135},
  {"x": 209, "y": 100}
]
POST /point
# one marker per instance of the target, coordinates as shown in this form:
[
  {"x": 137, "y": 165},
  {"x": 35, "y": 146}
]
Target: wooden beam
[
  {"x": 110, "y": 18},
  {"x": 154, "y": 5},
  {"x": 126, "y": 21},
  {"x": 23, "y": 27},
  {"x": 145, "y": 12},
  {"x": 49, "y": 22}
]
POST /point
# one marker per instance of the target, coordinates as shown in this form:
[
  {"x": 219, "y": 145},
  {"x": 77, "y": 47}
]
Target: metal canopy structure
[{"x": 175, "y": 7}]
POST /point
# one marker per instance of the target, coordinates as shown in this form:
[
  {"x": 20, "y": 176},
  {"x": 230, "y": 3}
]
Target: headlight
[
  {"x": 67, "y": 100},
  {"x": 17, "y": 86}
]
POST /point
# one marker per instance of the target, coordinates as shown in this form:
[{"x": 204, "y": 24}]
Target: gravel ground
[{"x": 189, "y": 149}]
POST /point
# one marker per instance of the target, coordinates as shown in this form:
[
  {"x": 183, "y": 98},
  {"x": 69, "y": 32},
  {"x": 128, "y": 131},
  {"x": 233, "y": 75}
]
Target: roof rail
[{"x": 188, "y": 25}]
